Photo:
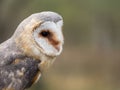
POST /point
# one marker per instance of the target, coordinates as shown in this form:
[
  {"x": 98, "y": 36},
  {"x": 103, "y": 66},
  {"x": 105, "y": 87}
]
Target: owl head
[{"x": 40, "y": 35}]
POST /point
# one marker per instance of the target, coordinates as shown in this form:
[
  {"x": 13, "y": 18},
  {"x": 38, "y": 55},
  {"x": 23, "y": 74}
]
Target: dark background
[{"x": 91, "y": 55}]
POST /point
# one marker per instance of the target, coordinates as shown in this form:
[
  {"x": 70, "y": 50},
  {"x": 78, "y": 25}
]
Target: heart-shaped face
[{"x": 49, "y": 37}]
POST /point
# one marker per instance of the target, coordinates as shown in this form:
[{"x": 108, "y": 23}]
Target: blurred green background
[{"x": 91, "y": 55}]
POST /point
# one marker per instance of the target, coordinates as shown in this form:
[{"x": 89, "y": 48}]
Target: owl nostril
[{"x": 56, "y": 42}]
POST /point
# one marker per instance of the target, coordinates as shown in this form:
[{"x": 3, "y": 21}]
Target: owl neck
[{"x": 9, "y": 52}]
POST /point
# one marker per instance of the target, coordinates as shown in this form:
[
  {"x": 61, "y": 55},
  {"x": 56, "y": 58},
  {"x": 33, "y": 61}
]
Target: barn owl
[{"x": 33, "y": 47}]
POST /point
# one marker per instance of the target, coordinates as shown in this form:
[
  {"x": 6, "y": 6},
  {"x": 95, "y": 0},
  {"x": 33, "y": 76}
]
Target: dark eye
[{"x": 45, "y": 33}]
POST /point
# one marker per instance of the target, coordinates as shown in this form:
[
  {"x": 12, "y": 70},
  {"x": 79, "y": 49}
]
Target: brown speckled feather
[{"x": 18, "y": 76}]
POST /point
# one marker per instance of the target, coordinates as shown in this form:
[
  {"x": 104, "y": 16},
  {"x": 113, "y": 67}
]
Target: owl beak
[{"x": 57, "y": 47}]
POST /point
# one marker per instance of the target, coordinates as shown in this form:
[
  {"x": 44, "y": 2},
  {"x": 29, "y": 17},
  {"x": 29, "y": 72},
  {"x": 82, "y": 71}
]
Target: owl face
[
  {"x": 40, "y": 35},
  {"x": 48, "y": 36}
]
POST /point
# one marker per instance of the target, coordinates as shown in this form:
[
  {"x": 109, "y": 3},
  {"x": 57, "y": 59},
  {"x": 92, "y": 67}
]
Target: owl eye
[{"x": 45, "y": 33}]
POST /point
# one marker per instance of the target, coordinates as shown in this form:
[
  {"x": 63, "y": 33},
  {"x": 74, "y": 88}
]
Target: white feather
[{"x": 49, "y": 49}]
